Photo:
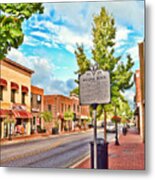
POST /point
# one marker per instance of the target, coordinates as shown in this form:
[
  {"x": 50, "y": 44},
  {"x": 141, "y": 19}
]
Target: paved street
[{"x": 62, "y": 151}]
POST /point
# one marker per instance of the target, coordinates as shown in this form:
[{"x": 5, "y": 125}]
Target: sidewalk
[
  {"x": 35, "y": 137},
  {"x": 129, "y": 155}
]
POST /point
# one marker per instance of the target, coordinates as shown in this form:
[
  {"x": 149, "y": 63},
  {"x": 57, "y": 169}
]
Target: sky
[{"x": 50, "y": 40}]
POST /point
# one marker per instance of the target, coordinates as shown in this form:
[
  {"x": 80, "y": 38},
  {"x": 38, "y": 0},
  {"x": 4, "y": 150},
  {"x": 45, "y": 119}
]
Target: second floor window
[
  {"x": 49, "y": 107},
  {"x": 13, "y": 95},
  {"x": 62, "y": 108},
  {"x": 38, "y": 99},
  {"x": 1, "y": 92},
  {"x": 23, "y": 97}
]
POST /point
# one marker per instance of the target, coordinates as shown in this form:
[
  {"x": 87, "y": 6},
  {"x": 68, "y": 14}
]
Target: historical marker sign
[{"x": 95, "y": 87}]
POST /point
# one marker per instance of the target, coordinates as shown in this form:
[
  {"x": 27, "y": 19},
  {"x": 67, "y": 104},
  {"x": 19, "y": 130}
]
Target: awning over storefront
[
  {"x": 25, "y": 89},
  {"x": 4, "y": 113},
  {"x": 14, "y": 86},
  {"x": 3, "y": 82},
  {"x": 22, "y": 114}
]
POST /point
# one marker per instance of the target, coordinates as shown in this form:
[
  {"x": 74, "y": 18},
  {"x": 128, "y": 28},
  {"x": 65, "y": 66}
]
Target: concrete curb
[{"x": 79, "y": 162}]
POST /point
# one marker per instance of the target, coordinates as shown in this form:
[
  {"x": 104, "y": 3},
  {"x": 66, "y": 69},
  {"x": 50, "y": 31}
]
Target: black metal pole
[
  {"x": 116, "y": 127},
  {"x": 95, "y": 136}
]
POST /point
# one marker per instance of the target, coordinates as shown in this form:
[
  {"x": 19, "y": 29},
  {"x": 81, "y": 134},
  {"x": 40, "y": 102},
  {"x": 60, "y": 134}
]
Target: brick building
[
  {"x": 15, "y": 92},
  {"x": 140, "y": 93},
  {"x": 59, "y": 104},
  {"x": 37, "y": 106}
]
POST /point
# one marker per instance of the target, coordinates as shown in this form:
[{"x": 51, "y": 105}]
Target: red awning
[
  {"x": 4, "y": 113},
  {"x": 14, "y": 86},
  {"x": 22, "y": 114},
  {"x": 3, "y": 82},
  {"x": 25, "y": 89}
]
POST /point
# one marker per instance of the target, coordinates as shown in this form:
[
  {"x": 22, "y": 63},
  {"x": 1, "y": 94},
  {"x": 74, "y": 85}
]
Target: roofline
[{"x": 18, "y": 65}]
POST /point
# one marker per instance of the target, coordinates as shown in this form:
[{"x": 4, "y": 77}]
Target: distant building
[
  {"x": 37, "y": 106},
  {"x": 59, "y": 104},
  {"x": 140, "y": 93},
  {"x": 15, "y": 92}
]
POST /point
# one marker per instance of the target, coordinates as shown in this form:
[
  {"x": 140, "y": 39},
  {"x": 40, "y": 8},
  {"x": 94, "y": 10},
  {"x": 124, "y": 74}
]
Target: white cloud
[
  {"x": 40, "y": 34},
  {"x": 134, "y": 52},
  {"x": 43, "y": 73}
]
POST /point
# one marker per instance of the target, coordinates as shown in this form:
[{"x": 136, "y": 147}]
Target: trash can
[
  {"x": 124, "y": 131},
  {"x": 102, "y": 154}
]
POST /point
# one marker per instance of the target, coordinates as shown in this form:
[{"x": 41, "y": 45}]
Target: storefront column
[
  {"x": 28, "y": 127},
  {"x": 2, "y": 129}
]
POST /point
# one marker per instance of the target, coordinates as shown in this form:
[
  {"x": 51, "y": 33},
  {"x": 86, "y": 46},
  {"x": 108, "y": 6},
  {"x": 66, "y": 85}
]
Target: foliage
[
  {"x": 11, "y": 19},
  {"x": 68, "y": 115},
  {"x": 125, "y": 112},
  {"x": 103, "y": 53},
  {"x": 47, "y": 116},
  {"x": 9, "y": 120}
]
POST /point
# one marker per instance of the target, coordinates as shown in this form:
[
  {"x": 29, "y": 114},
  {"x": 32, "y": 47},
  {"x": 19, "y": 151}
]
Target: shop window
[
  {"x": 1, "y": 92},
  {"x": 13, "y": 95},
  {"x": 49, "y": 107},
  {"x": 38, "y": 99},
  {"x": 23, "y": 97}
]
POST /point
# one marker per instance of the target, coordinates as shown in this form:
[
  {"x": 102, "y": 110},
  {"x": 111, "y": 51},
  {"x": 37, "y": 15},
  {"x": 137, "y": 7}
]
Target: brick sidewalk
[{"x": 128, "y": 156}]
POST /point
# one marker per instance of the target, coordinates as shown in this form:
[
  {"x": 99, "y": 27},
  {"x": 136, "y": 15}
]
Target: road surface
[{"x": 53, "y": 152}]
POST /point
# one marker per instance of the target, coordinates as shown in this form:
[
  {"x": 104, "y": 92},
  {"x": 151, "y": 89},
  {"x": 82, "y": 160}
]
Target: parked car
[{"x": 110, "y": 127}]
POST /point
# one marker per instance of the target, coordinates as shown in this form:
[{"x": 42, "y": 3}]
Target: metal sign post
[
  {"x": 95, "y": 136},
  {"x": 95, "y": 89}
]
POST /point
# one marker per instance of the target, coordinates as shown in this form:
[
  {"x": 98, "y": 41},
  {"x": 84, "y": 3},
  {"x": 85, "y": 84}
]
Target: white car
[{"x": 110, "y": 127}]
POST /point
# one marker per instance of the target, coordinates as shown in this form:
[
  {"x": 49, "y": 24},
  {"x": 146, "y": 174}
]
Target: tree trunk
[{"x": 105, "y": 125}]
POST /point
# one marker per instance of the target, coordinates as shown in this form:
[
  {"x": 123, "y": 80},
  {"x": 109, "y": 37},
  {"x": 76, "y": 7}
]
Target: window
[
  {"x": 49, "y": 107},
  {"x": 62, "y": 108},
  {"x": 1, "y": 92},
  {"x": 69, "y": 107},
  {"x": 78, "y": 108},
  {"x": 13, "y": 95},
  {"x": 23, "y": 97},
  {"x": 38, "y": 99},
  {"x": 31, "y": 97}
]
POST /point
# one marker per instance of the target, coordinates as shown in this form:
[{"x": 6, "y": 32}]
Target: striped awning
[
  {"x": 22, "y": 114},
  {"x": 3, "y": 82},
  {"x": 25, "y": 89},
  {"x": 4, "y": 113},
  {"x": 14, "y": 86}
]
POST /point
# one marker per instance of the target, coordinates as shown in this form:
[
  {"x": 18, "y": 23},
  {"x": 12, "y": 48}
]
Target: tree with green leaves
[
  {"x": 11, "y": 18},
  {"x": 68, "y": 117},
  {"x": 103, "y": 53},
  {"x": 48, "y": 118}
]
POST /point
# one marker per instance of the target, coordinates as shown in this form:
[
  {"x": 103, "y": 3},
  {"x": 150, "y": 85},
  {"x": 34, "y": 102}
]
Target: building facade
[
  {"x": 37, "y": 107},
  {"x": 140, "y": 93},
  {"x": 15, "y": 93},
  {"x": 59, "y": 104}
]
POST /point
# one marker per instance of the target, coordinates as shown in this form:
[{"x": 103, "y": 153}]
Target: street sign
[{"x": 95, "y": 87}]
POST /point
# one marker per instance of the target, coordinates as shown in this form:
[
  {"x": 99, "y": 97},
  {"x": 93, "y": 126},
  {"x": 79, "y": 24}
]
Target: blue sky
[{"x": 50, "y": 40}]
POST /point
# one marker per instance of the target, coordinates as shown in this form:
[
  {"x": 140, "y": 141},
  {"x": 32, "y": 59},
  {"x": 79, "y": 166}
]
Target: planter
[{"x": 55, "y": 130}]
